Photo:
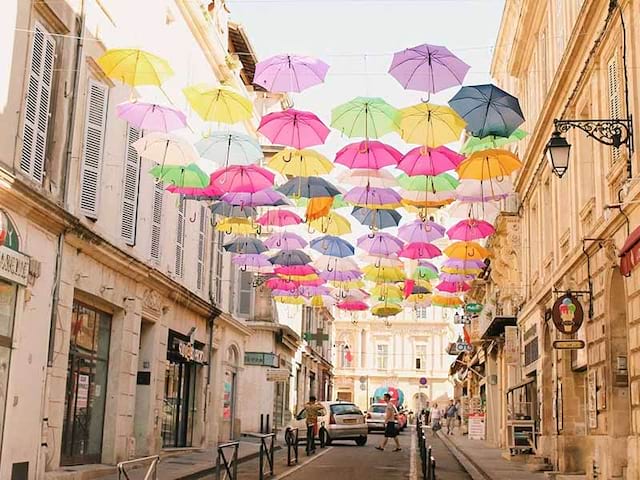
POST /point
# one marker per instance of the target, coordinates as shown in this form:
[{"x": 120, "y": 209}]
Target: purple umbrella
[
  {"x": 380, "y": 243},
  {"x": 343, "y": 276},
  {"x": 428, "y": 68},
  {"x": 289, "y": 73},
  {"x": 285, "y": 241},
  {"x": 456, "y": 277},
  {"x": 266, "y": 197},
  {"x": 311, "y": 290},
  {"x": 427, "y": 264},
  {"x": 149, "y": 116},
  {"x": 253, "y": 262},
  {"x": 419, "y": 231},
  {"x": 460, "y": 264},
  {"x": 372, "y": 197}
]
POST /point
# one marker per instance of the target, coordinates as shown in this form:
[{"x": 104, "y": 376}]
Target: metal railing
[
  {"x": 291, "y": 437},
  {"x": 227, "y": 466},
  {"x": 152, "y": 470},
  {"x": 427, "y": 462},
  {"x": 267, "y": 444}
]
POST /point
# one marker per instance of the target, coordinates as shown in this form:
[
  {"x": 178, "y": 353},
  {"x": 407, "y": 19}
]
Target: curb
[
  {"x": 212, "y": 470},
  {"x": 472, "y": 468}
]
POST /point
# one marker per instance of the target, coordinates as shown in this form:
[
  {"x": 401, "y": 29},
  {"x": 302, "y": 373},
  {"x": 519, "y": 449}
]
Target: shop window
[
  {"x": 421, "y": 357},
  {"x": 244, "y": 294},
  {"x": 531, "y": 352}
]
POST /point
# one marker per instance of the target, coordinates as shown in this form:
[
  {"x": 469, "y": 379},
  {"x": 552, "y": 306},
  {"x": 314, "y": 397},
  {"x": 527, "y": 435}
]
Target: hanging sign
[
  {"x": 473, "y": 307},
  {"x": 278, "y": 374},
  {"x": 14, "y": 266},
  {"x": 567, "y": 314},
  {"x": 511, "y": 345},
  {"x": 463, "y": 347},
  {"x": 190, "y": 353},
  {"x": 568, "y": 344}
]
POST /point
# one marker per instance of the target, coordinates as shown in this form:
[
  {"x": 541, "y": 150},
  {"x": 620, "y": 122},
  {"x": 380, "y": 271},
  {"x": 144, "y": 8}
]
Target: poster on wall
[
  {"x": 227, "y": 396},
  {"x": 511, "y": 345},
  {"x": 476, "y": 427}
]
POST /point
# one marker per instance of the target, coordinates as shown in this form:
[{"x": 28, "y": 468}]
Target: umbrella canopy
[
  {"x": 429, "y": 161},
  {"x": 372, "y": 197},
  {"x": 424, "y": 273},
  {"x": 279, "y": 218},
  {"x": 456, "y": 277},
  {"x": 320, "y": 301},
  {"x": 428, "y": 68},
  {"x": 421, "y": 231},
  {"x": 333, "y": 224},
  {"x": 466, "y": 251},
  {"x": 369, "y": 117},
  {"x": 242, "y": 178},
  {"x": 416, "y": 250},
  {"x": 337, "y": 264},
  {"x": 460, "y": 265},
  {"x": 210, "y": 192},
  {"x": 295, "y": 270},
  {"x": 484, "y": 190},
  {"x": 488, "y": 110},
  {"x": 489, "y": 164},
  {"x": 386, "y": 309},
  {"x": 369, "y": 154},
  {"x": 218, "y": 103},
  {"x": 166, "y": 149},
  {"x": 386, "y": 290},
  {"x": 290, "y": 257},
  {"x": 289, "y": 73},
  {"x": 383, "y": 274},
  {"x": 337, "y": 202},
  {"x": 332, "y": 246},
  {"x": 311, "y": 290},
  {"x": 383, "y": 261},
  {"x": 444, "y": 301},
  {"x": 229, "y": 148},
  {"x": 134, "y": 67},
  {"x": 294, "y": 128},
  {"x": 151, "y": 117},
  {"x": 453, "y": 287},
  {"x": 427, "y": 183},
  {"x": 363, "y": 177},
  {"x": 266, "y": 197},
  {"x": 341, "y": 275},
  {"x": 181, "y": 176},
  {"x": 470, "y": 229},
  {"x": 352, "y": 305},
  {"x": 475, "y": 144},
  {"x": 380, "y": 244},
  {"x": 427, "y": 198},
  {"x": 290, "y": 300},
  {"x": 285, "y": 241},
  {"x": 376, "y": 218},
  {"x": 430, "y": 125},
  {"x": 245, "y": 245},
  {"x": 300, "y": 163},
  {"x": 479, "y": 209},
  {"x": 257, "y": 263},
  {"x": 308, "y": 187},
  {"x": 237, "y": 226},
  {"x": 276, "y": 283}
]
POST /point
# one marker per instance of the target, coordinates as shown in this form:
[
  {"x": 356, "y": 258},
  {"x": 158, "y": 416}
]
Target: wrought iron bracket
[{"x": 612, "y": 132}]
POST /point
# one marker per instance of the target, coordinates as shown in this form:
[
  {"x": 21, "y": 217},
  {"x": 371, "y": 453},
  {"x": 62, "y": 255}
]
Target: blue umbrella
[
  {"x": 245, "y": 245},
  {"x": 308, "y": 187},
  {"x": 488, "y": 110},
  {"x": 225, "y": 209},
  {"x": 332, "y": 246},
  {"x": 229, "y": 148},
  {"x": 376, "y": 218},
  {"x": 290, "y": 257}
]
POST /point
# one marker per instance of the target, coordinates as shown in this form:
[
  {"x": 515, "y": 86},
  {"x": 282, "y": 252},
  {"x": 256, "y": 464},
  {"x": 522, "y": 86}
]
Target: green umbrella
[
  {"x": 424, "y": 273},
  {"x": 181, "y": 176},
  {"x": 475, "y": 144},
  {"x": 338, "y": 202},
  {"x": 421, "y": 183},
  {"x": 369, "y": 117}
]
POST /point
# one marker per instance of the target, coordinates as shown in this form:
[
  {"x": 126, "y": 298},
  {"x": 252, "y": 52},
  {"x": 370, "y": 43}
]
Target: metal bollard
[
  {"x": 433, "y": 469},
  {"x": 266, "y": 452},
  {"x": 291, "y": 437},
  {"x": 228, "y": 465}
]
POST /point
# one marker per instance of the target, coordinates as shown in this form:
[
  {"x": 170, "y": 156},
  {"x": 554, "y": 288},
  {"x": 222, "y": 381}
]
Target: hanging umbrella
[
  {"x": 266, "y": 197},
  {"x": 166, "y": 149},
  {"x": 289, "y": 73},
  {"x": 455, "y": 265},
  {"x": 279, "y": 218},
  {"x": 375, "y": 218},
  {"x": 294, "y": 128},
  {"x": 421, "y": 231},
  {"x": 252, "y": 262},
  {"x": 285, "y": 241},
  {"x": 475, "y": 144},
  {"x": 479, "y": 209},
  {"x": 290, "y": 257},
  {"x": 418, "y": 300},
  {"x": 331, "y": 264},
  {"x": 456, "y": 277},
  {"x": 470, "y": 229},
  {"x": 427, "y": 198},
  {"x": 429, "y": 161},
  {"x": 424, "y": 273},
  {"x": 369, "y": 154},
  {"x": 488, "y": 110},
  {"x": 290, "y": 300},
  {"x": 418, "y": 250},
  {"x": 387, "y": 291},
  {"x": 245, "y": 245},
  {"x": 484, "y": 190},
  {"x": 336, "y": 202},
  {"x": 226, "y": 210},
  {"x": 151, "y": 117},
  {"x": 341, "y": 275},
  {"x": 309, "y": 187},
  {"x": 385, "y": 309},
  {"x": 296, "y": 270},
  {"x": 181, "y": 176},
  {"x": 430, "y": 125},
  {"x": 372, "y": 197},
  {"x": 466, "y": 251},
  {"x": 363, "y": 177},
  {"x": 312, "y": 290},
  {"x": 428, "y": 68},
  {"x": 332, "y": 246},
  {"x": 351, "y": 293},
  {"x": 237, "y": 226},
  {"x": 229, "y": 148},
  {"x": 134, "y": 67},
  {"x": 427, "y": 183},
  {"x": 210, "y": 192},
  {"x": 444, "y": 301},
  {"x": 383, "y": 274},
  {"x": 333, "y": 224},
  {"x": 300, "y": 163},
  {"x": 322, "y": 301},
  {"x": 352, "y": 305},
  {"x": 380, "y": 244},
  {"x": 489, "y": 164},
  {"x": 383, "y": 261},
  {"x": 242, "y": 178},
  {"x": 218, "y": 103},
  {"x": 369, "y": 117},
  {"x": 281, "y": 284},
  {"x": 453, "y": 287}
]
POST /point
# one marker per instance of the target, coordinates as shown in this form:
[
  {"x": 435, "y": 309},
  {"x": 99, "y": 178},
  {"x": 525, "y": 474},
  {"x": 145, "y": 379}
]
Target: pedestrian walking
[
  {"x": 436, "y": 417},
  {"x": 390, "y": 426},
  {"x": 451, "y": 415},
  {"x": 312, "y": 410}
]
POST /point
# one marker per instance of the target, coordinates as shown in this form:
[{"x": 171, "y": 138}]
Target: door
[
  {"x": 179, "y": 401},
  {"x": 86, "y": 386}
]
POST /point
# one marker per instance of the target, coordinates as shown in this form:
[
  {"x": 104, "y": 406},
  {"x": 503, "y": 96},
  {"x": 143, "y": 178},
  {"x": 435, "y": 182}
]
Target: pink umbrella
[
  {"x": 429, "y": 161},
  {"x": 419, "y": 231},
  {"x": 372, "y": 197},
  {"x": 418, "y": 250},
  {"x": 149, "y": 116},
  {"x": 352, "y": 305},
  {"x": 285, "y": 241},
  {"x": 279, "y": 218},
  {"x": 369, "y": 154},
  {"x": 380, "y": 243},
  {"x": 289, "y": 73},
  {"x": 453, "y": 287},
  {"x": 295, "y": 270},
  {"x": 294, "y": 128},
  {"x": 281, "y": 284},
  {"x": 210, "y": 192},
  {"x": 242, "y": 178},
  {"x": 470, "y": 229}
]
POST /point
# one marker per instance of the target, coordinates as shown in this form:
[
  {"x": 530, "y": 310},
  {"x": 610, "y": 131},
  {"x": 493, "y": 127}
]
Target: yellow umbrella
[
  {"x": 320, "y": 301},
  {"x": 466, "y": 251},
  {"x": 461, "y": 271},
  {"x": 423, "y": 283},
  {"x": 425, "y": 204},
  {"x": 347, "y": 284},
  {"x": 386, "y": 309},
  {"x": 300, "y": 163},
  {"x": 442, "y": 301},
  {"x": 418, "y": 300},
  {"x": 291, "y": 300},
  {"x": 218, "y": 103},
  {"x": 488, "y": 164},
  {"x": 333, "y": 224},
  {"x": 134, "y": 67},
  {"x": 383, "y": 274},
  {"x": 237, "y": 226},
  {"x": 430, "y": 125},
  {"x": 388, "y": 291}
]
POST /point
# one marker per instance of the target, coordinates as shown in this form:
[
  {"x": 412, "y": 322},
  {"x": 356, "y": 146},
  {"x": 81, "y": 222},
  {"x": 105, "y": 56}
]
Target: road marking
[
  {"x": 298, "y": 467},
  {"x": 413, "y": 475}
]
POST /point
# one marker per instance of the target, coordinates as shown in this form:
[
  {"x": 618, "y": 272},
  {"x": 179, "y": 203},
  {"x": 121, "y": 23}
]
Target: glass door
[
  {"x": 86, "y": 386},
  {"x": 179, "y": 405}
]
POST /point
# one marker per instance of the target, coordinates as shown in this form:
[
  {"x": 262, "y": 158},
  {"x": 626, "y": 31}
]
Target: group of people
[{"x": 435, "y": 415}]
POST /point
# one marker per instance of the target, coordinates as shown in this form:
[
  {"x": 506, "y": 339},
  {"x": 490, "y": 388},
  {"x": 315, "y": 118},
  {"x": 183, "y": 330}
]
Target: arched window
[{"x": 233, "y": 356}]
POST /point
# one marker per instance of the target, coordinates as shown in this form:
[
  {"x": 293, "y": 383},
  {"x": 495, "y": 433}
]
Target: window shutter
[
  {"x": 179, "y": 270},
  {"x": 156, "y": 220},
  {"x": 130, "y": 185},
  {"x": 245, "y": 289},
  {"x": 36, "y": 118},
  {"x": 202, "y": 236},
  {"x": 95, "y": 121},
  {"x": 613, "y": 84},
  {"x": 219, "y": 267}
]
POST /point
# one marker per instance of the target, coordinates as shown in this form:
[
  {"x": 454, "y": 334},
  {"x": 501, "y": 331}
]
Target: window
[
  {"x": 130, "y": 185},
  {"x": 37, "y": 102},
  {"x": 94, "y": 130},
  {"x": 422, "y": 313},
  {"x": 531, "y": 352},
  {"x": 345, "y": 409},
  {"x": 244, "y": 291},
  {"x": 421, "y": 357},
  {"x": 382, "y": 356},
  {"x": 182, "y": 206},
  {"x": 156, "y": 220},
  {"x": 615, "y": 106},
  {"x": 202, "y": 238}
]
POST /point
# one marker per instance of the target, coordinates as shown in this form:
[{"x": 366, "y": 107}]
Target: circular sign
[
  {"x": 567, "y": 314},
  {"x": 423, "y": 381},
  {"x": 363, "y": 379}
]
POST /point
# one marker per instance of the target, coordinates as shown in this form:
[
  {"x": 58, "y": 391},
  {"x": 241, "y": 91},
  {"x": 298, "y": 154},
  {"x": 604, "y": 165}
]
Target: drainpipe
[{"x": 215, "y": 313}]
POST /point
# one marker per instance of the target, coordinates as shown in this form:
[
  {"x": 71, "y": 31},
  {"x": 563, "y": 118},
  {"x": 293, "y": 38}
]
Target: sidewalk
[
  {"x": 484, "y": 462},
  {"x": 447, "y": 465}
]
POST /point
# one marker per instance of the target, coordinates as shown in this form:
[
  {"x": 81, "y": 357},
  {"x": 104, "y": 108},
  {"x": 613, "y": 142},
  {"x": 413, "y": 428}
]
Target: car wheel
[{"x": 361, "y": 441}]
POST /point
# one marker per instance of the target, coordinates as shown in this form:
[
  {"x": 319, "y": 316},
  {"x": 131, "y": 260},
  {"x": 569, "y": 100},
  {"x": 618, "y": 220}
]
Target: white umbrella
[
  {"x": 483, "y": 190},
  {"x": 361, "y": 177},
  {"x": 383, "y": 261},
  {"x": 335, "y": 264},
  {"x": 479, "y": 210},
  {"x": 166, "y": 149}
]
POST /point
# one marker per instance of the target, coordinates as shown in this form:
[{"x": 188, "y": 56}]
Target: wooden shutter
[
  {"x": 615, "y": 106},
  {"x": 202, "y": 237},
  {"x": 94, "y": 130},
  {"x": 245, "y": 290},
  {"x": 179, "y": 266},
  {"x": 156, "y": 221},
  {"x": 130, "y": 185},
  {"x": 219, "y": 267},
  {"x": 36, "y": 117}
]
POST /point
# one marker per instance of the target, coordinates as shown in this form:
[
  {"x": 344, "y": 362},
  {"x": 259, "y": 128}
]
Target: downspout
[{"x": 215, "y": 312}]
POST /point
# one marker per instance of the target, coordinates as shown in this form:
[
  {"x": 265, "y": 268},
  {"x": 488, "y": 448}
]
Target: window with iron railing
[{"x": 531, "y": 352}]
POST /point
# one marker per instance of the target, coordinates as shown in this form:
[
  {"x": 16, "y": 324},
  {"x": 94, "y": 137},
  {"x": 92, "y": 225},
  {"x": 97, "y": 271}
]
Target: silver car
[
  {"x": 375, "y": 416},
  {"x": 341, "y": 421}
]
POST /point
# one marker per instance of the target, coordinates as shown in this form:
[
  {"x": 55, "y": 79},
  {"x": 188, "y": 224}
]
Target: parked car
[
  {"x": 341, "y": 421},
  {"x": 375, "y": 416},
  {"x": 402, "y": 419}
]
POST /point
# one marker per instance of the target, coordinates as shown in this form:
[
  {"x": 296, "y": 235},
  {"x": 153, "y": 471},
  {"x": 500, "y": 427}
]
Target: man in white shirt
[{"x": 390, "y": 428}]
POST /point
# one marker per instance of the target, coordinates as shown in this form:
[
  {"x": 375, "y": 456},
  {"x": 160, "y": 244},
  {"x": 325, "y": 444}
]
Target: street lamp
[{"x": 557, "y": 151}]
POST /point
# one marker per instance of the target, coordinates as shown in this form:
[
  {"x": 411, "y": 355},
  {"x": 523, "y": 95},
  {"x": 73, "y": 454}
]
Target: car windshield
[
  {"x": 345, "y": 409},
  {"x": 377, "y": 408}
]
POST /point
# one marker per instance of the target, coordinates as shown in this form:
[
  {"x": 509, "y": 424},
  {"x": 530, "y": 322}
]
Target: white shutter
[
  {"x": 245, "y": 290},
  {"x": 36, "y": 117},
  {"x": 613, "y": 84},
  {"x": 94, "y": 130},
  {"x": 130, "y": 185},
  {"x": 219, "y": 267},
  {"x": 202, "y": 237},
  {"x": 156, "y": 221},
  {"x": 179, "y": 270}
]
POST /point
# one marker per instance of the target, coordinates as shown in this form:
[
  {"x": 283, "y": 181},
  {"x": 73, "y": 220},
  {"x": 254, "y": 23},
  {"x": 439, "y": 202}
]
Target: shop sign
[
  {"x": 190, "y": 353},
  {"x": 261, "y": 359},
  {"x": 476, "y": 427},
  {"x": 463, "y": 347},
  {"x": 568, "y": 344},
  {"x": 511, "y": 344},
  {"x": 567, "y": 314},
  {"x": 14, "y": 266},
  {"x": 278, "y": 374}
]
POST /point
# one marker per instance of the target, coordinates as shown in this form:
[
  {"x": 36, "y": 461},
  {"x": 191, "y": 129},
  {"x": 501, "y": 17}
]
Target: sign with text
[
  {"x": 278, "y": 374},
  {"x": 261, "y": 359},
  {"x": 476, "y": 427},
  {"x": 568, "y": 344},
  {"x": 567, "y": 314},
  {"x": 14, "y": 266},
  {"x": 190, "y": 353}
]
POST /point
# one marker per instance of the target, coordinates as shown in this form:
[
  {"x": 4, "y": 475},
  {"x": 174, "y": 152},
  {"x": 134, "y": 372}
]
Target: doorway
[{"x": 179, "y": 399}]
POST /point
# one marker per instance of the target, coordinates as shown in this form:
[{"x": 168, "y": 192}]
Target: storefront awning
[
  {"x": 523, "y": 383},
  {"x": 496, "y": 327},
  {"x": 630, "y": 253}
]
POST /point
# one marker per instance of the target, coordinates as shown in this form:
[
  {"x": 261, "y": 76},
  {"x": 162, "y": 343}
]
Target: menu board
[{"x": 476, "y": 427}]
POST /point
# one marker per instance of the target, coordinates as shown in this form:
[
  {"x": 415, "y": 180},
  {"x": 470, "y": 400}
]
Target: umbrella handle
[
  {"x": 278, "y": 242},
  {"x": 285, "y": 160},
  {"x": 229, "y": 231},
  {"x": 213, "y": 221},
  {"x": 378, "y": 262},
  {"x": 193, "y": 217},
  {"x": 258, "y": 229},
  {"x": 329, "y": 269},
  {"x": 381, "y": 298},
  {"x": 243, "y": 268},
  {"x": 343, "y": 294}
]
